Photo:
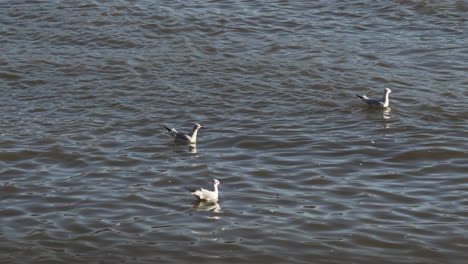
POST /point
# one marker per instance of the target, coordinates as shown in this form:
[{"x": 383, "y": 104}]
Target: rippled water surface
[{"x": 309, "y": 173}]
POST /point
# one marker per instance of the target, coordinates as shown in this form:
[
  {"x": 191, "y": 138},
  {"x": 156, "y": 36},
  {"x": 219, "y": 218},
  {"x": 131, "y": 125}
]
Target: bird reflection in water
[
  {"x": 208, "y": 206},
  {"x": 386, "y": 113},
  {"x": 386, "y": 117},
  {"x": 192, "y": 148}
]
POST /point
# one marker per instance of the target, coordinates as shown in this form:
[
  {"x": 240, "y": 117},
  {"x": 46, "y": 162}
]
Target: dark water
[{"x": 310, "y": 174}]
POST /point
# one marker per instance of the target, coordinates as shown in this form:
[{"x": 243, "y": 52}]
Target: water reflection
[
  {"x": 386, "y": 116},
  {"x": 386, "y": 113},
  {"x": 193, "y": 148},
  {"x": 208, "y": 206}
]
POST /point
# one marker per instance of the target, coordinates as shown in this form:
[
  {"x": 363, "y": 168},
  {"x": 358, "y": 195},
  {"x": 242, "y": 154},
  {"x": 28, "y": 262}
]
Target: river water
[{"x": 309, "y": 173}]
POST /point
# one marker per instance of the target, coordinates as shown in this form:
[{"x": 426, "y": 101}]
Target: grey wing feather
[
  {"x": 175, "y": 134},
  {"x": 374, "y": 102},
  {"x": 181, "y": 136}
]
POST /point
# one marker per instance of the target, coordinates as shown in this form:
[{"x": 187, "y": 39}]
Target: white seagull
[
  {"x": 190, "y": 138},
  {"x": 205, "y": 195},
  {"x": 384, "y": 102}
]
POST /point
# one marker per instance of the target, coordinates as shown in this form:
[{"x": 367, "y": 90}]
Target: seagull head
[
  {"x": 198, "y": 126},
  {"x": 387, "y": 90},
  {"x": 216, "y": 182}
]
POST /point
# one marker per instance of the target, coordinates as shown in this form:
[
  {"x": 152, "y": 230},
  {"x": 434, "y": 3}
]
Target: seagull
[
  {"x": 205, "y": 195},
  {"x": 190, "y": 138},
  {"x": 384, "y": 102}
]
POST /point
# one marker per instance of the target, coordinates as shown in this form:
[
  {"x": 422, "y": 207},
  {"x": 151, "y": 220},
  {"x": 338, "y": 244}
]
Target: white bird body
[
  {"x": 383, "y": 103},
  {"x": 206, "y": 195},
  {"x": 190, "y": 138}
]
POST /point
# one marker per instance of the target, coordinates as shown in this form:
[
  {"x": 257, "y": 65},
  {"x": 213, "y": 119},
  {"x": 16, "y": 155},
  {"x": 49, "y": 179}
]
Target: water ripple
[{"x": 308, "y": 171}]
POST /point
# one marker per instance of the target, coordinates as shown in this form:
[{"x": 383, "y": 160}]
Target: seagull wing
[
  {"x": 203, "y": 194},
  {"x": 367, "y": 100},
  {"x": 200, "y": 193},
  {"x": 181, "y": 136},
  {"x": 171, "y": 131},
  {"x": 175, "y": 134},
  {"x": 361, "y": 96},
  {"x": 374, "y": 102}
]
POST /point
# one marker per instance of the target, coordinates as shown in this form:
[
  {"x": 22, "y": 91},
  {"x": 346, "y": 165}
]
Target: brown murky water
[{"x": 310, "y": 174}]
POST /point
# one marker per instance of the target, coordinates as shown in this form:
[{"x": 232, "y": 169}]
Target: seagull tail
[
  {"x": 360, "y": 96},
  {"x": 190, "y": 190},
  {"x": 168, "y": 129}
]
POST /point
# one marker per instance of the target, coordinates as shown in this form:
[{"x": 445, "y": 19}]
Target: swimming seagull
[
  {"x": 384, "y": 102},
  {"x": 186, "y": 138},
  {"x": 205, "y": 195}
]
